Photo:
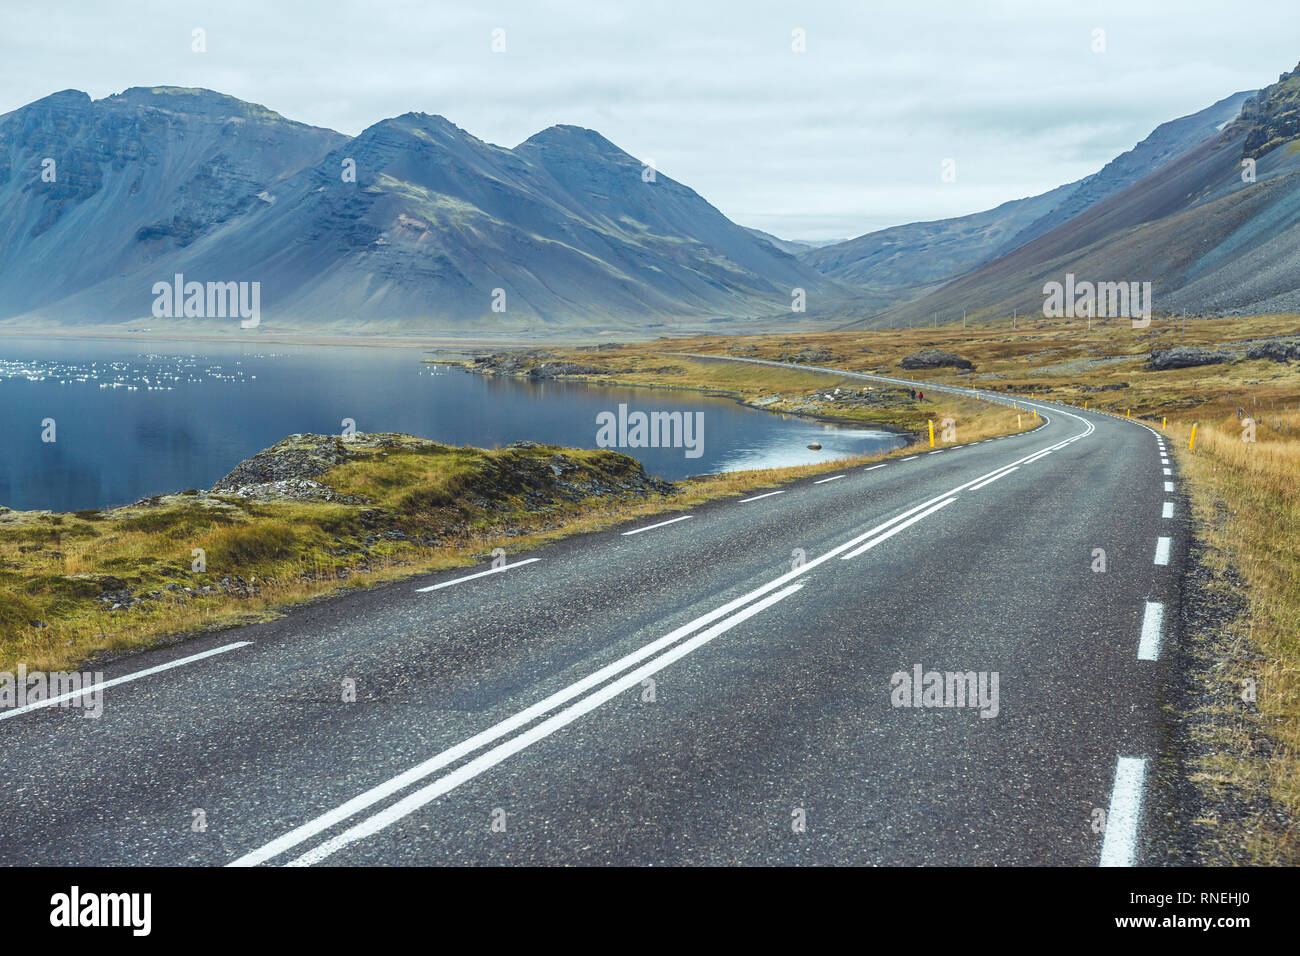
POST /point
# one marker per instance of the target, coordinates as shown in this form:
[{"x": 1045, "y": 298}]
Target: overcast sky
[{"x": 846, "y": 137}]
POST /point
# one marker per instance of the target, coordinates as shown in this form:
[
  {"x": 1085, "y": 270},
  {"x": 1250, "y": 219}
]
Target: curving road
[{"x": 715, "y": 686}]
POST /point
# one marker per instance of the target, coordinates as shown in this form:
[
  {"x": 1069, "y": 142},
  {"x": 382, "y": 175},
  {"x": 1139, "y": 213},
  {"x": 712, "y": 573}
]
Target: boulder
[
  {"x": 1162, "y": 360},
  {"x": 1278, "y": 350}
]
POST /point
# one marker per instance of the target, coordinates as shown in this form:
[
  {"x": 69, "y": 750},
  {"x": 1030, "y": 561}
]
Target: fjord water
[{"x": 134, "y": 419}]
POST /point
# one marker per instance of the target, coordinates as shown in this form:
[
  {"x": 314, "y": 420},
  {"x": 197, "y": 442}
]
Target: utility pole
[
  {"x": 963, "y": 320},
  {"x": 1014, "y": 311}
]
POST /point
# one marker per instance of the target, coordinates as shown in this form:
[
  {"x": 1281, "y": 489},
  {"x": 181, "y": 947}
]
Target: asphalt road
[{"x": 719, "y": 689}]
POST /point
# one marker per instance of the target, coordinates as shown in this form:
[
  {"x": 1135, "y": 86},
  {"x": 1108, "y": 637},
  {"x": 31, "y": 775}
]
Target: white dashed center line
[
  {"x": 92, "y": 687},
  {"x": 758, "y": 497},
  {"x": 1162, "y": 550},
  {"x": 481, "y": 574}
]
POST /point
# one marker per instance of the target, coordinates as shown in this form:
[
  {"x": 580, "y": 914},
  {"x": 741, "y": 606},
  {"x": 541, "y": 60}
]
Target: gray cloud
[{"x": 844, "y": 138}]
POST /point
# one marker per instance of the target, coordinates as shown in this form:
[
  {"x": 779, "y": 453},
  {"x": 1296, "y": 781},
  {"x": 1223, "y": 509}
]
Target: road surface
[{"x": 716, "y": 686}]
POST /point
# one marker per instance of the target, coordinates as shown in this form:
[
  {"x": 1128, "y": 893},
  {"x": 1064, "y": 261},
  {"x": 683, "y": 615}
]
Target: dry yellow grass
[{"x": 1247, "y": 500}]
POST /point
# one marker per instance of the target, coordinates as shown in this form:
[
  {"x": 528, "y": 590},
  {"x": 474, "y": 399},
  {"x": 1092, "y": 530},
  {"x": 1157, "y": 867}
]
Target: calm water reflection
[{"x": 137, "y": 419}]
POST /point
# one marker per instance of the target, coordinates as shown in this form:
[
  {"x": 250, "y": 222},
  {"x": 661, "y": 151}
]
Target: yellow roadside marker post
[
  {"x": 1192, "y": 444},
  {"x": 931, "y": 421},
  {"x": 1164, "y": 423},
  {"x": 1129, "y": 413}
]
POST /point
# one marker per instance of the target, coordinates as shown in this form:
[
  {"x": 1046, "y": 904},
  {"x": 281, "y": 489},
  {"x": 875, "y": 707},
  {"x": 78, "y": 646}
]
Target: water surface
[{"x": 139, "y": 419}]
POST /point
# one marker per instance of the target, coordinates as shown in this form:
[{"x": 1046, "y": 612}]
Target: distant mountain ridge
[
  {"x": 413, "y": 224},
  {"x": 1215, "y": 230},
  {"x": 904, "y": 263}
]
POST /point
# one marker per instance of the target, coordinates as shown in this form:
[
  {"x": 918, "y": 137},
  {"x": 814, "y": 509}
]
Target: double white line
[{"x": 715, "y": 623}]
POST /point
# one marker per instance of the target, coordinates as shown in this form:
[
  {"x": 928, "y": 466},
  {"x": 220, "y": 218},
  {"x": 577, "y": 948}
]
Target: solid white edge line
[
  {"x": 651, "y": 527},
  {"x": 481, "y": 574},
  {"x": 125, "y": 678},
  {"x": 824, "y": 480},
  {"x": 1163, "y": 545},
  {"x": 414, "y": 801},
  {"x": 989, "y": 481},
  {"x": 769, "y": 494},
  {"x": 1119, "y": 846},
  {"x": 1153, "y": 620}
]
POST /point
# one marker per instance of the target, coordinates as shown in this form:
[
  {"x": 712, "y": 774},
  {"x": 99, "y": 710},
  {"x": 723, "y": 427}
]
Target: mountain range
[{"x": 416, "y": 225}]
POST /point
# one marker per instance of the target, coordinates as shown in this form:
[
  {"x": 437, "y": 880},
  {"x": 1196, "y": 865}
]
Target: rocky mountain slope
[
  {"x": 904, "y": 263},
  {"x": 1212, "y": 235},
  {"x": 412, "y": 225},
  {"x": 93, "y": 190}
]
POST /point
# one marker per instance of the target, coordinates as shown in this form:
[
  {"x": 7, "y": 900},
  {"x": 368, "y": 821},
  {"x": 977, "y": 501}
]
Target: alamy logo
[
  {"x": 75, "y": 908},
  {"x": 652, "y": 430},
  {"x": 179, "y": 299},
  {"x": 945, "y": 689},
  {"x": 59, "y": 689},
  {"x": 1101, "y": 300}
]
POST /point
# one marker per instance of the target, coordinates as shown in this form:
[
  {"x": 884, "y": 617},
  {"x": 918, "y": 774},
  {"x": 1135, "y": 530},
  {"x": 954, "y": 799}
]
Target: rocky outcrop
[
  {"x": 808, "y": 356},
  {"x": 542, "y": 474},
  {"x": 532, "y": 363},
  {"x": 286, "y": 470},
  {"x": 1272, "y": 115},
  {"x": 1162, "y": 360},
  {"x": 836, "y": 399},
  {"x": 1278, "y": 350},
  {"x": 563, "y": 369},
  {"x": 935, "y": 358}
]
